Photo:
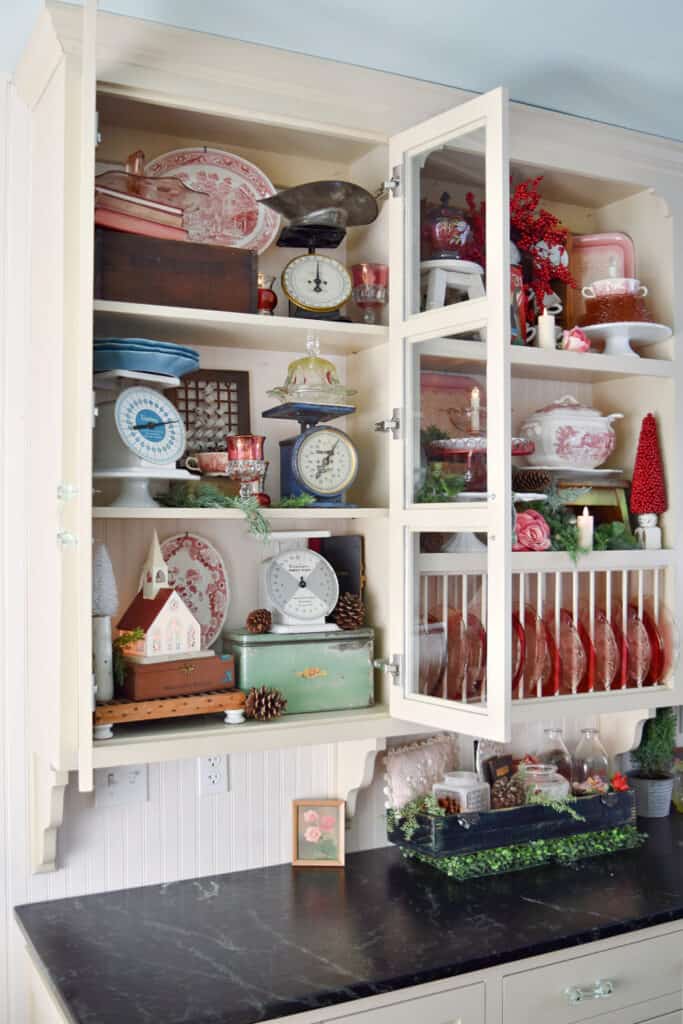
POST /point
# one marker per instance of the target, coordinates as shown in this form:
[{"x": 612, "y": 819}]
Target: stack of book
[{"x": 125, "y": 212}]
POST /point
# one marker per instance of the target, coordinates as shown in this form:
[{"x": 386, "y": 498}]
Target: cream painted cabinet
[{"x": 446, "y": 593}]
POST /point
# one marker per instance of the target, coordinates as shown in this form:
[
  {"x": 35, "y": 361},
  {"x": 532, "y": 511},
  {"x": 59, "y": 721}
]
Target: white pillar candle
[
  {"x": 474, "y": 409},
  {"x": 585, "y": 527},
  {"x": 546, "y": 330}
]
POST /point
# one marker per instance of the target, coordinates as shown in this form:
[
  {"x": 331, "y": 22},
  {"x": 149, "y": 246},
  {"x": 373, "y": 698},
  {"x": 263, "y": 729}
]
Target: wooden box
[
  {"x": 329, "y": 671},
  {"x": 133, "y": 268},
  {"x": 178, "y": 678},
  {"x": 487, "y": 830}
]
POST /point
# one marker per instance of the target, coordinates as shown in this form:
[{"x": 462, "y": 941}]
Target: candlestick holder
[{"x": 248, "y": 472}]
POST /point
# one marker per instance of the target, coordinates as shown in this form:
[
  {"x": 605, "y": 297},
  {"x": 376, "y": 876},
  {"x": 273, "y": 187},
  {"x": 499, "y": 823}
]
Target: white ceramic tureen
[{"x": 567, "y": 434}]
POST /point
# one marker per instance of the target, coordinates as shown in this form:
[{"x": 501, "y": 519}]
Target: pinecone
[
  {"x": 259, "y": 621},
  {"x": 350, "y": 612},
  {"x": 264, "y": 703},
  {"x": 530, "y": 480},
  {"x": 507, "y": 792}
]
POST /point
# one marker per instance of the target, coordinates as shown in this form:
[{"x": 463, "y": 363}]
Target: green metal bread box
[{"x": 329, "y": 671}]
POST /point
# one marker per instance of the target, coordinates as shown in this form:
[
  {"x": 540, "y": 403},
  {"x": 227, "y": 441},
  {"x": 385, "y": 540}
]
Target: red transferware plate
[
  {"x": 231, "y": 215},
  {"x": 668, "y": 630}
]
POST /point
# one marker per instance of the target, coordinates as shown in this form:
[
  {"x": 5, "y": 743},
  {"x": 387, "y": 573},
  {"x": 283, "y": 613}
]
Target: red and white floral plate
[
  {"x": 198, "y": 573},
  {"x": 231, "y": 215}
]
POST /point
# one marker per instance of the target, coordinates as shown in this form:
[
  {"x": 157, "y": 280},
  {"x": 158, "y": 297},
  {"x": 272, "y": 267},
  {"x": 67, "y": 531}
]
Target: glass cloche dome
[{"x": 313, "y": 379}]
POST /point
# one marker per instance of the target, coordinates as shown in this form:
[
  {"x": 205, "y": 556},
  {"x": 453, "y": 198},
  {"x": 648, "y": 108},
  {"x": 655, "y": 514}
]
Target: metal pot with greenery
[{"x": 653, "y": 778}]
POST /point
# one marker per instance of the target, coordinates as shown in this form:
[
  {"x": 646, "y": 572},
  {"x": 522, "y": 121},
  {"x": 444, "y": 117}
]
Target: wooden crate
[
  {"x": 133, "y": 268},
  {"x": 122, "y": 711}
]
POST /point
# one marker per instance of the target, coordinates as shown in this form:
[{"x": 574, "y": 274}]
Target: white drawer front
[
  {"x": 568, "y": 991},
  {"x": 456, "y": 1006}
]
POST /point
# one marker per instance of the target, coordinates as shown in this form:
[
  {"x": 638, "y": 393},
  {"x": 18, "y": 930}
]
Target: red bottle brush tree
[
  {"x": 648, "y": 489},
  {"x": 536, "y": 232}
]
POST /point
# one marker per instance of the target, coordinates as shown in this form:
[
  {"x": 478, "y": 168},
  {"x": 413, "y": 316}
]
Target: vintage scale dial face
[
  {"x": 150, "y": 426},
  {"x": 316, "y": 283},
  {"x": 326, "y": 461},
  {"x": 302, "y": 585}
]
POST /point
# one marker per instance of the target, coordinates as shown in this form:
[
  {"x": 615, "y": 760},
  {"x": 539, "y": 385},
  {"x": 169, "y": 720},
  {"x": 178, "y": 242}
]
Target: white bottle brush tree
[{"x": 105, "y": 602}]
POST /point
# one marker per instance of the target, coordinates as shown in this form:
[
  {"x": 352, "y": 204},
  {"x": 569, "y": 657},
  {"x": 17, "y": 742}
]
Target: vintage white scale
[
  {"x": 139, "y": 437},
  {"x": 298, "y": 585}
]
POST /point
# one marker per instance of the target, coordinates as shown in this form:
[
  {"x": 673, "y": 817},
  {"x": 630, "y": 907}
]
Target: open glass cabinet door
[{"x": 450, "y": 515}]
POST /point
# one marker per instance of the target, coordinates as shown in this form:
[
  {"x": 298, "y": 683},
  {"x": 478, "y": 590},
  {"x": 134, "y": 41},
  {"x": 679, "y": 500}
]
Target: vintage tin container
[
  {"x": 177, "y": 678},
  {"x": 329, "y": 671}
]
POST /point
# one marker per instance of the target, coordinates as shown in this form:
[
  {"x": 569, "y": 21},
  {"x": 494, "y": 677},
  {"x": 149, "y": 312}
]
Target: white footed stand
[
  {"x": 461, "y": 275},
  {"x": 134, "y": 491}
]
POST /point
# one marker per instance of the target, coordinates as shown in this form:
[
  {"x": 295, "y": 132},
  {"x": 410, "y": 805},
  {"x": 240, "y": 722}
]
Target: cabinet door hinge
[
  {"x": 392, "y": 426},
  {"x": 390, "y": 187},
  {"x": 392, "y": 666}
]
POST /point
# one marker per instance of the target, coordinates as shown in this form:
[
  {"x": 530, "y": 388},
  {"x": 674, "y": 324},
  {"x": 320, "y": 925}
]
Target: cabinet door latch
[
  {"x": 392, "y": 666},
  {"x": 67, "y": 539},
  {"x": 390, "y": 187},
  {"x": 392, "y": 426}
]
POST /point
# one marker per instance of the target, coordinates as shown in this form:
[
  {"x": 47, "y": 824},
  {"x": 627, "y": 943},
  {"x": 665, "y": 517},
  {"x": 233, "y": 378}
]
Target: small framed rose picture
[{"x": 318, "y": 831}]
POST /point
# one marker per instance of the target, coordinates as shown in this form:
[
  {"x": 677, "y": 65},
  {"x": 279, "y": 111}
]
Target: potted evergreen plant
[{"x": 653, "y": 778}]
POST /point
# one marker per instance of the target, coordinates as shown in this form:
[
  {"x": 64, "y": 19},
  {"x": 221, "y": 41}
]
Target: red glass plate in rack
[
  {"x": 606, "y": 652},
  {"x": 635, "y": 650},
  {"x": 518, "y": 648},
  {"x": 476, "y": 658},
  {"x": 431, "y": 638},
  {"x": 668, "y": 630},
  {"x": 570, "y": 655},
  {"x": 538, "y": 655},
  {"x": 654, "y": 635}
]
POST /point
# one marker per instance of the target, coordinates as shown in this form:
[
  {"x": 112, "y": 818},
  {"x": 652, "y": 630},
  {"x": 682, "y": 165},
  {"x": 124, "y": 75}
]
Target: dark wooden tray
[{"x": 470, "y": 833}]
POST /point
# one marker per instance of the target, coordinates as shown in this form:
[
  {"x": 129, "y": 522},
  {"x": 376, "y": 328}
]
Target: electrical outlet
[
  {"x": 212, "y": 773},
  {"x": 128, "y": 784}
]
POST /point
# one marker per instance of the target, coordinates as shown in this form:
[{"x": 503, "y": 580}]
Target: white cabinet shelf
[
  {"x": 171, "y": 740},
  {"x": 230, "y": 330},
  {"x": 552, "y": 365},
  {"x": 308, "y": 515}
]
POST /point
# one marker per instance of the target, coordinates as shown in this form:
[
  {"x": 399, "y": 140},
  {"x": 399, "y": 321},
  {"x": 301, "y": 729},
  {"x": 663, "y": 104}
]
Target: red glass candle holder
[{"x": 245, "y": 446}]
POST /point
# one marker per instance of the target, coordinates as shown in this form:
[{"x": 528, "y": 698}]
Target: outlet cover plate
[
  {"x": 128, "y": 784},
  {"x": 212, "y": 774}
]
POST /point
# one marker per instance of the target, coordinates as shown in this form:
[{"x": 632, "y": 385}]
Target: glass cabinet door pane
[
  {"x": 449, "y": 606},
  {"x": 445, "y": 243},
  {"x": 447, "y": 419}
]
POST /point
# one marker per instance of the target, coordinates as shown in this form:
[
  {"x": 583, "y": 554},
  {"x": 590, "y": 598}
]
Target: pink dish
[
  {"x": 198, "y": 573},
  {"x": 593, "y": 256}
]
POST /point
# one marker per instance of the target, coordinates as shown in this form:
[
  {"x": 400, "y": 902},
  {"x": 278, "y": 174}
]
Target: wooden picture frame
[{"x": 326, "y": 833}]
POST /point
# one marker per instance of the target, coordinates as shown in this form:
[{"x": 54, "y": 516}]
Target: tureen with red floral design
[{"x": 568, "y": 435}]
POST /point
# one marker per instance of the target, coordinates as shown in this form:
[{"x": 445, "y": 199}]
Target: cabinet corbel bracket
[
  {"x": 47, "y": 813},
  {"x": 355, "y": 768}
]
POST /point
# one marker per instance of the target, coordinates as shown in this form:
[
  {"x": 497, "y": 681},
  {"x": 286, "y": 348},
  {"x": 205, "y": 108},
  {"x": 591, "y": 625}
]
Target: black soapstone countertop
[{"x": 255, "y": 945}]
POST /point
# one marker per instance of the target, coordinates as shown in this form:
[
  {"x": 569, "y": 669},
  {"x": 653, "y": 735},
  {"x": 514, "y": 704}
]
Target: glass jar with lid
[
  {"x": 463, "y": 790},
  {"x": 544, "y": 780},
  {"x": 553, "y": 750},
  {"x": 590, "y": 764}
]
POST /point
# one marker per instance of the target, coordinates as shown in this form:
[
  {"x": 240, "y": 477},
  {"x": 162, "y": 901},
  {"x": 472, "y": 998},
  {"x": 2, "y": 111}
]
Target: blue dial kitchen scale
[{"x": 321, "y": 461}]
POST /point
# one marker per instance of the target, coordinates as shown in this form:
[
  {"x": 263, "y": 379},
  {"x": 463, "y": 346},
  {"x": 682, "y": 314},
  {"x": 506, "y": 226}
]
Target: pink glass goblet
[{"x": 370, "y": 282}]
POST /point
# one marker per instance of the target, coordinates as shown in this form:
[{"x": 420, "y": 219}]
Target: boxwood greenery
[{"x": 533, "y": 854}]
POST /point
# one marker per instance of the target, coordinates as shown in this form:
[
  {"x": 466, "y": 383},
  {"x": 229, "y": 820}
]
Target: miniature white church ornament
[{"x": 170, "y": 629}]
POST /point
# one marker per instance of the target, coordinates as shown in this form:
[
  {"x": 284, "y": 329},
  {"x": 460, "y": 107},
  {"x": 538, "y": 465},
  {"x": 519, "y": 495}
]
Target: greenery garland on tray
[{"x": 533, "y": 854}]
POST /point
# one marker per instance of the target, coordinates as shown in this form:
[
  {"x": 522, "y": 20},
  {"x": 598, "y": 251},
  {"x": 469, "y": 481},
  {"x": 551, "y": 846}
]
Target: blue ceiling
[{"x": 614, "y": 62}]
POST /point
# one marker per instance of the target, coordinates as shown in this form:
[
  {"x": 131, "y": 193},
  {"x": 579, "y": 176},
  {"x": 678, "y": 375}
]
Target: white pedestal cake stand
[
  {"x": 618, "y": 336},
  {"x": 134, "y": 491}
]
